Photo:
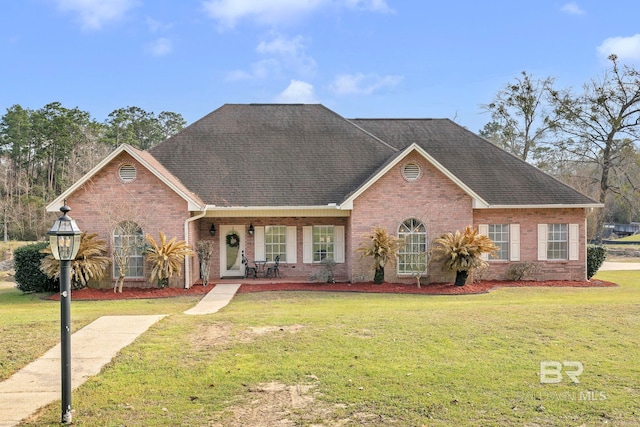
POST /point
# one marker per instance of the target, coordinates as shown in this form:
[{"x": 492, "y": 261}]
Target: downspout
[{"x": 187, "y": 264}]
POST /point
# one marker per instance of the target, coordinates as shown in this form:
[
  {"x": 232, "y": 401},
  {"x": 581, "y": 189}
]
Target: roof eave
[{"x": 545, "y": 206}]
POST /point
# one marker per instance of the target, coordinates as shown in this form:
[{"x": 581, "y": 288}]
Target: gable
[
  {"x": 143, "y": 159},
  {"x": 493, "y": 175}
]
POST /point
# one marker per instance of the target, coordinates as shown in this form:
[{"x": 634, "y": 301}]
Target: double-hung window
[
  {"x": 557, "y": 241},
  {"x": 275, "y": 242},
  {"x": 323, "y": 242},
  {"x": 499, "y": 233}
]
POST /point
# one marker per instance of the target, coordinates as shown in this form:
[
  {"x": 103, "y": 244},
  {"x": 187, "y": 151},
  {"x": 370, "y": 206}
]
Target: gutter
[{"x": 187, "y": 268}]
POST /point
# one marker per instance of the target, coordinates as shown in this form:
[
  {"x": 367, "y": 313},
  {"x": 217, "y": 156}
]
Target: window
[
  {"x": 557, "y": 241},
  {"x": 412, "y": 257},
  {"x": 499, "y": 233},
  {"x": 128, "y": 243},
  {"x": 275, "y": 242},
  {"x": 323, "y": 239}
]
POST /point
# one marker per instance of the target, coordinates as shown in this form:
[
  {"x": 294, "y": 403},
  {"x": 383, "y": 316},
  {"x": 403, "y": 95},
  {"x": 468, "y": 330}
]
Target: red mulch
[{"x": 392, "y": 288}]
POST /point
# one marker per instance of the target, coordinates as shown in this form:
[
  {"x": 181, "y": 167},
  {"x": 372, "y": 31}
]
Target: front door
[{"x": 231, "y": 248}]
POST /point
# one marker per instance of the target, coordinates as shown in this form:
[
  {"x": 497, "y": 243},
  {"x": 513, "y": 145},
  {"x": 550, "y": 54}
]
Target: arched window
[
  {"x": 128, "y": 245},
  {"x": 412, "y": 258}
]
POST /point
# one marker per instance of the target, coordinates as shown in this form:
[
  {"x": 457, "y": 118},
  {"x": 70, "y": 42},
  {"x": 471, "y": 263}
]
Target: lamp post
[{"x": 64, "y": 238}]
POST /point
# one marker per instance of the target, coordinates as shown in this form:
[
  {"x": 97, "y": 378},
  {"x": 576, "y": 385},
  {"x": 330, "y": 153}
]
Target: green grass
[{"x": 404, "y": 360}]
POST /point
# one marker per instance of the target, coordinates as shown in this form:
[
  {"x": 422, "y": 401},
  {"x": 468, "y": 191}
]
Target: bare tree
[
  {"x": 601, "y": 127},
  {"x": 521, "y": 117}
]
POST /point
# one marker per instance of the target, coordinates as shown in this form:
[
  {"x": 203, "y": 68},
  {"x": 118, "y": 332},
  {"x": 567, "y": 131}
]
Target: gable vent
[
  {"x": 127, "y": 173},
  {"x": 411, "y": 172}
]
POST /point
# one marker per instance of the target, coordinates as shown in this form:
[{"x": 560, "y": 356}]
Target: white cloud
[
  {"x": 259, "y": 70},
  {"x": 297, "y": 92},
  {"x": 282, "y": 54},
  {"x": 229, "y": 12},
  {"x": 626, "y": 48},
  {"x": 572, "y": 8},
  {"x": 155, "y": 26},
  {"x": 94, "y": 14},
  {"x": 362, "y": 84},
  {"x": 369, "y": 5},
  {"x": 160, "y": 47},
  {"x": 275, "y": 12}
]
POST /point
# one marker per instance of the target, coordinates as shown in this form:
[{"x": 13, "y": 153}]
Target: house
[{"x": 304, "y": 183}]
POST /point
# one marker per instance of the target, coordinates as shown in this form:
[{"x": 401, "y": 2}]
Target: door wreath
[{"x": 233, "y": 240}]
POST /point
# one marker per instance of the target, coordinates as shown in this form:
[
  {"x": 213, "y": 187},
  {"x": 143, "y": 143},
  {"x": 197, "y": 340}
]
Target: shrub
[
  {"x": 520, "y": 270},
  {"x": 29, "y": 277},
  {"x": 595, "y": 257},
  {"x": 325, "y": 274}
]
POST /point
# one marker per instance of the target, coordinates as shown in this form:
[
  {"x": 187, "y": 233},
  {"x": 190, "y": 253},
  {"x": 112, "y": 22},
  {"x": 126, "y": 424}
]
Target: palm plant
[
  {"x": 461, "y": 252},
  {"x": 166, "y": 257},
  {"x": 382, "y": 248},
  {"x": 90, "y": 263}
]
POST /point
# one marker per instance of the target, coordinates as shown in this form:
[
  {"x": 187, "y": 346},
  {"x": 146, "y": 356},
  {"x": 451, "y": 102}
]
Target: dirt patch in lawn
[
  {"x": 391, "y": 288},
  {"x": 277, "y": 404},
  {"x": 221, "y": 333}
]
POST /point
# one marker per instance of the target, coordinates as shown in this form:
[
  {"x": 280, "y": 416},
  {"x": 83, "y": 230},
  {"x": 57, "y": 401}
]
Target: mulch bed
[{"x": 391, "y": 288}]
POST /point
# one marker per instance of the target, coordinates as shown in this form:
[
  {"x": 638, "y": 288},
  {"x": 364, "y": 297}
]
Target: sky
[{"x": 360, "y": 58}]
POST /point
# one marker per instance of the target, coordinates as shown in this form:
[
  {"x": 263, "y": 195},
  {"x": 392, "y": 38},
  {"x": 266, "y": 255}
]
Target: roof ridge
[{"x": 377, "y": 138}]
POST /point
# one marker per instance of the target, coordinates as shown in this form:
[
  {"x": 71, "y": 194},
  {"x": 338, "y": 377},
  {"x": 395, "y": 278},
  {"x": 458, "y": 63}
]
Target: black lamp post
[{"x": 64, "y": 238}]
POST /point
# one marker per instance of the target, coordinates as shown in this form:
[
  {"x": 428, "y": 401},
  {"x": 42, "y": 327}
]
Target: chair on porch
[
  {"x": 249, "y": 271},
  {"x": 275, "y": 268}
]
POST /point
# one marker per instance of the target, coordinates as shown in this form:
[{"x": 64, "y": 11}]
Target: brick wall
[
  {"x": 105, "y": 200},
  {"x": 432, "y": 199},
  {"x": 529, "y": 220}
]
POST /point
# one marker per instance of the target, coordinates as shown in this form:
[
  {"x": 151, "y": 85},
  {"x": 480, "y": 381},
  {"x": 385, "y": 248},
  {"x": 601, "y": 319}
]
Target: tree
[
  {"x": 382, "y": 248},
  {"x": 601, "y": 127},
  {"x": 520, "y": 117},
  {"x": 141, "y": 129},
  {"x": 461, "y": 252}
]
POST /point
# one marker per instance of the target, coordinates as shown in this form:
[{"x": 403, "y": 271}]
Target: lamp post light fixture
[{"x": 64, "y": 238}]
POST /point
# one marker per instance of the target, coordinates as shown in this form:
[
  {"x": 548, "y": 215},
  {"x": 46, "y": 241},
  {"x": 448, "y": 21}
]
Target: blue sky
[{"x": 361, "y": 58}]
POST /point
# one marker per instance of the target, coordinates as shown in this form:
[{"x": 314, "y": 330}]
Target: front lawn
[{"x": 311, "y": 358}]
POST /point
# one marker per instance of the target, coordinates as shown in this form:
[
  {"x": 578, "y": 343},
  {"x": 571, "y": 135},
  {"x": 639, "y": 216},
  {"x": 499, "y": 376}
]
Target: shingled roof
[
  {"x": 279, "y": 155},
  {"x": 500, "y": 178}
]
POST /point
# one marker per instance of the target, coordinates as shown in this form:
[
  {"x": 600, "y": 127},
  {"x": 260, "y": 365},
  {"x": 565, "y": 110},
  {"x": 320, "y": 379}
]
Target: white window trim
[
  {"x": 514, "y": 241},
  {"x": 573, "y": 242},
  {"x": 291, "y": 244},
  {"x": 338, "y": 244}
]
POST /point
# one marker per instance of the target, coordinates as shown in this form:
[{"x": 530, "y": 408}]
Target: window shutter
[
  {"x": 307, "y": 244},
  {"x": 542, "y": 242},
  {"x": 292, "y": 245},
  {"x": 574, "y": 242},
  {"x": 338, "y": 243},
  {"x": 484, "y": 230},
  {"x": 258, "y": 244},
  {"x": 514, "y": 242}
]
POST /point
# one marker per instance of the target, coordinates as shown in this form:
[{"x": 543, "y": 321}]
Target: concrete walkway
[
  {"x": 216, "y": 298},
  {"x": 619, "y": 266},
  {"x": 39, "y": 383}
]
